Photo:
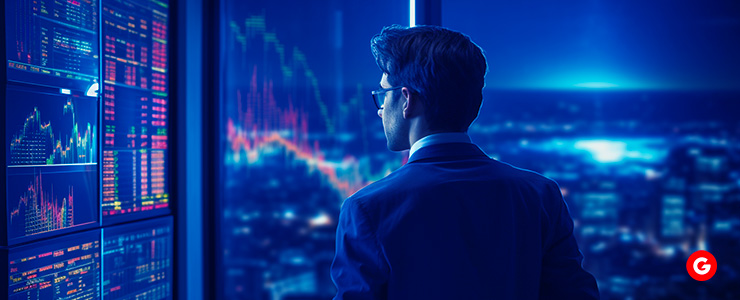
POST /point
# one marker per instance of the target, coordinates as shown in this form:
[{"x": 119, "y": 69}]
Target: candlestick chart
[
  {"x": 291, "y": 152},
  {"x": 48, "y": 129}
]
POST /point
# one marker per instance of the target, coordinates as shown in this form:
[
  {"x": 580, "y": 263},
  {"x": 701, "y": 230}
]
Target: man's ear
[{"x": 411, "y": 105}]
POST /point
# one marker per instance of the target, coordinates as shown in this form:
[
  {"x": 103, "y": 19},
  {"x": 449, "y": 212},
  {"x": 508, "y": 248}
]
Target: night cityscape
[{"x": 649, "y": 166}]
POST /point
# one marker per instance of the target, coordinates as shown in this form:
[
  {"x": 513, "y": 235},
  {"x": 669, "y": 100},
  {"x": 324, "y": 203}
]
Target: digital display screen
[
  {"x": 138, "y": 260},
  {"x": 47, "y": 127},
  {"x": 53, "y": 139},
  {"x": 135, "y": 109},
  {"x": 47, "y": 200},
  {"x": 53, "y": 43},
  {"x": 65, "y": 268},
  {"x": 51, "y": 158}
]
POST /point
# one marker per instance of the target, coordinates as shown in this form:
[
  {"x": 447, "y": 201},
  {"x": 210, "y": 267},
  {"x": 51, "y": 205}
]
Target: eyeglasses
[{"x": 379, "y": 96}]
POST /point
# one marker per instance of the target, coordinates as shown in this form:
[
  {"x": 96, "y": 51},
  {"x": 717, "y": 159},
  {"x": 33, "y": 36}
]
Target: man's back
[{"x": 455, "y": 224}]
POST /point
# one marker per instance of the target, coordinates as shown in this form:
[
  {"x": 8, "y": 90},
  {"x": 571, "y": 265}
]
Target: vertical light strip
[{"x": 412, "y": 13}]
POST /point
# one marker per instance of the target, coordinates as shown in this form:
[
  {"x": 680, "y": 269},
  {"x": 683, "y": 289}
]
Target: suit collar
[
  {"x": 448, "y": 151},
  {"x": 439, "y": 138}
]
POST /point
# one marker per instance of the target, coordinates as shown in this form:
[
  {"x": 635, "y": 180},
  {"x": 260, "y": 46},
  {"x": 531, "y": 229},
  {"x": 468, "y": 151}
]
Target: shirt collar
[{"x": 439, "y": 138}]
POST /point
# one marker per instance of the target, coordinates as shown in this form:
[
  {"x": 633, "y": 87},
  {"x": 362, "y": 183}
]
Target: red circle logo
[{"x": 701, "y": 265}]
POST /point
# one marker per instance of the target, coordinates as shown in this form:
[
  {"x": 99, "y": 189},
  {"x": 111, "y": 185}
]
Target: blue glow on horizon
[
  {"x": 596, "y": 85},
  {"x": 588, "y": 79},
  {"x": 603, "y": 151},
  {"x": 608, "y": 150}
]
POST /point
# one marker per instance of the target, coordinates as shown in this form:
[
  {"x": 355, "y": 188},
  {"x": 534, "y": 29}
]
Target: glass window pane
[
  {"x": 299, "y": 134},
  {"x": 625, "y": 104}
]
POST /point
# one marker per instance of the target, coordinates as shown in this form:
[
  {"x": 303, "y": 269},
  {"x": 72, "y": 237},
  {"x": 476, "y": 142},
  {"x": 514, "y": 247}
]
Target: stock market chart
[
  {"x": 45, "y": 127},
  {"x": 296, "y": 142},
  {"x": 135, "y": 109},
  {"x": 51, "y": 117},
  {"x": 52, "y": 146},
  {"x": 61, "y": 268},
  {"x": 47, "y": 200},
  {"x": 53, "y": 43},
  {"x": 138, "y": 260}
]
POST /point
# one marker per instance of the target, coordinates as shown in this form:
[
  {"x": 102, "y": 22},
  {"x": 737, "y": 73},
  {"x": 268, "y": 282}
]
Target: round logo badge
[{"x": 701, "y": 265}]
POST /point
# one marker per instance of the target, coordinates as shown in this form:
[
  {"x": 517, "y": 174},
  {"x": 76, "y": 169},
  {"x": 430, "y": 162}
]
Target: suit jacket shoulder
[{"x": 444, "y": 225}]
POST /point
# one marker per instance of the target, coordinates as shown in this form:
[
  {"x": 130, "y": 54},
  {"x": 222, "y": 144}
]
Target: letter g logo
[
  {"x": 701, "y": 265},
  {"x": 704, "y": 269}
]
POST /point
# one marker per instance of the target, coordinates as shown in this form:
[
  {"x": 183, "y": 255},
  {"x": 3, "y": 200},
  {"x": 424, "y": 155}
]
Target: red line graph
[
  {"x": 271, "y": 113},
  {"x": 261, "y": 125}
]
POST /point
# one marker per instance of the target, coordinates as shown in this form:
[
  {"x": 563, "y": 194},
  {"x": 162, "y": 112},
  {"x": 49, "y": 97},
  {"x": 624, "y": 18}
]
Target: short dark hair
[{"x": 442, "y": 66}]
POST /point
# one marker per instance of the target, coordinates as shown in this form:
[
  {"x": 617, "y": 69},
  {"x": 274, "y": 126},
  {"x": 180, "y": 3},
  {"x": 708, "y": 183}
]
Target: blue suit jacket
[{"x": 455, "y": 224}]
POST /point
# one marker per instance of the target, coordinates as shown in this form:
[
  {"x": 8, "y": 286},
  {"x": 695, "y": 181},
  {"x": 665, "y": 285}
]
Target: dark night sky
[{"x": 629, "y": 44}]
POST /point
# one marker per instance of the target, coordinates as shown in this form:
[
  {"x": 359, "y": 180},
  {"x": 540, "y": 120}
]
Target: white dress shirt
[{"x": 439, "y": 138}]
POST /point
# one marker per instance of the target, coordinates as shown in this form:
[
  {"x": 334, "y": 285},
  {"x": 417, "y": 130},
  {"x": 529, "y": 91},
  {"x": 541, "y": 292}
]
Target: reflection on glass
[{"x": 299, "y": 134}]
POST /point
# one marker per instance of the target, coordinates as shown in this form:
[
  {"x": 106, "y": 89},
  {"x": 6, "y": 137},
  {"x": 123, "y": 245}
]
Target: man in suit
[{"x": 452, "y": 223}]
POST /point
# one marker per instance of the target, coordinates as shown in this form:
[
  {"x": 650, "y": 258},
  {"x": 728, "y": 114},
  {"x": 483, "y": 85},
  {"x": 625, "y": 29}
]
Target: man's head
[{"x": 441, "y": 74}]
